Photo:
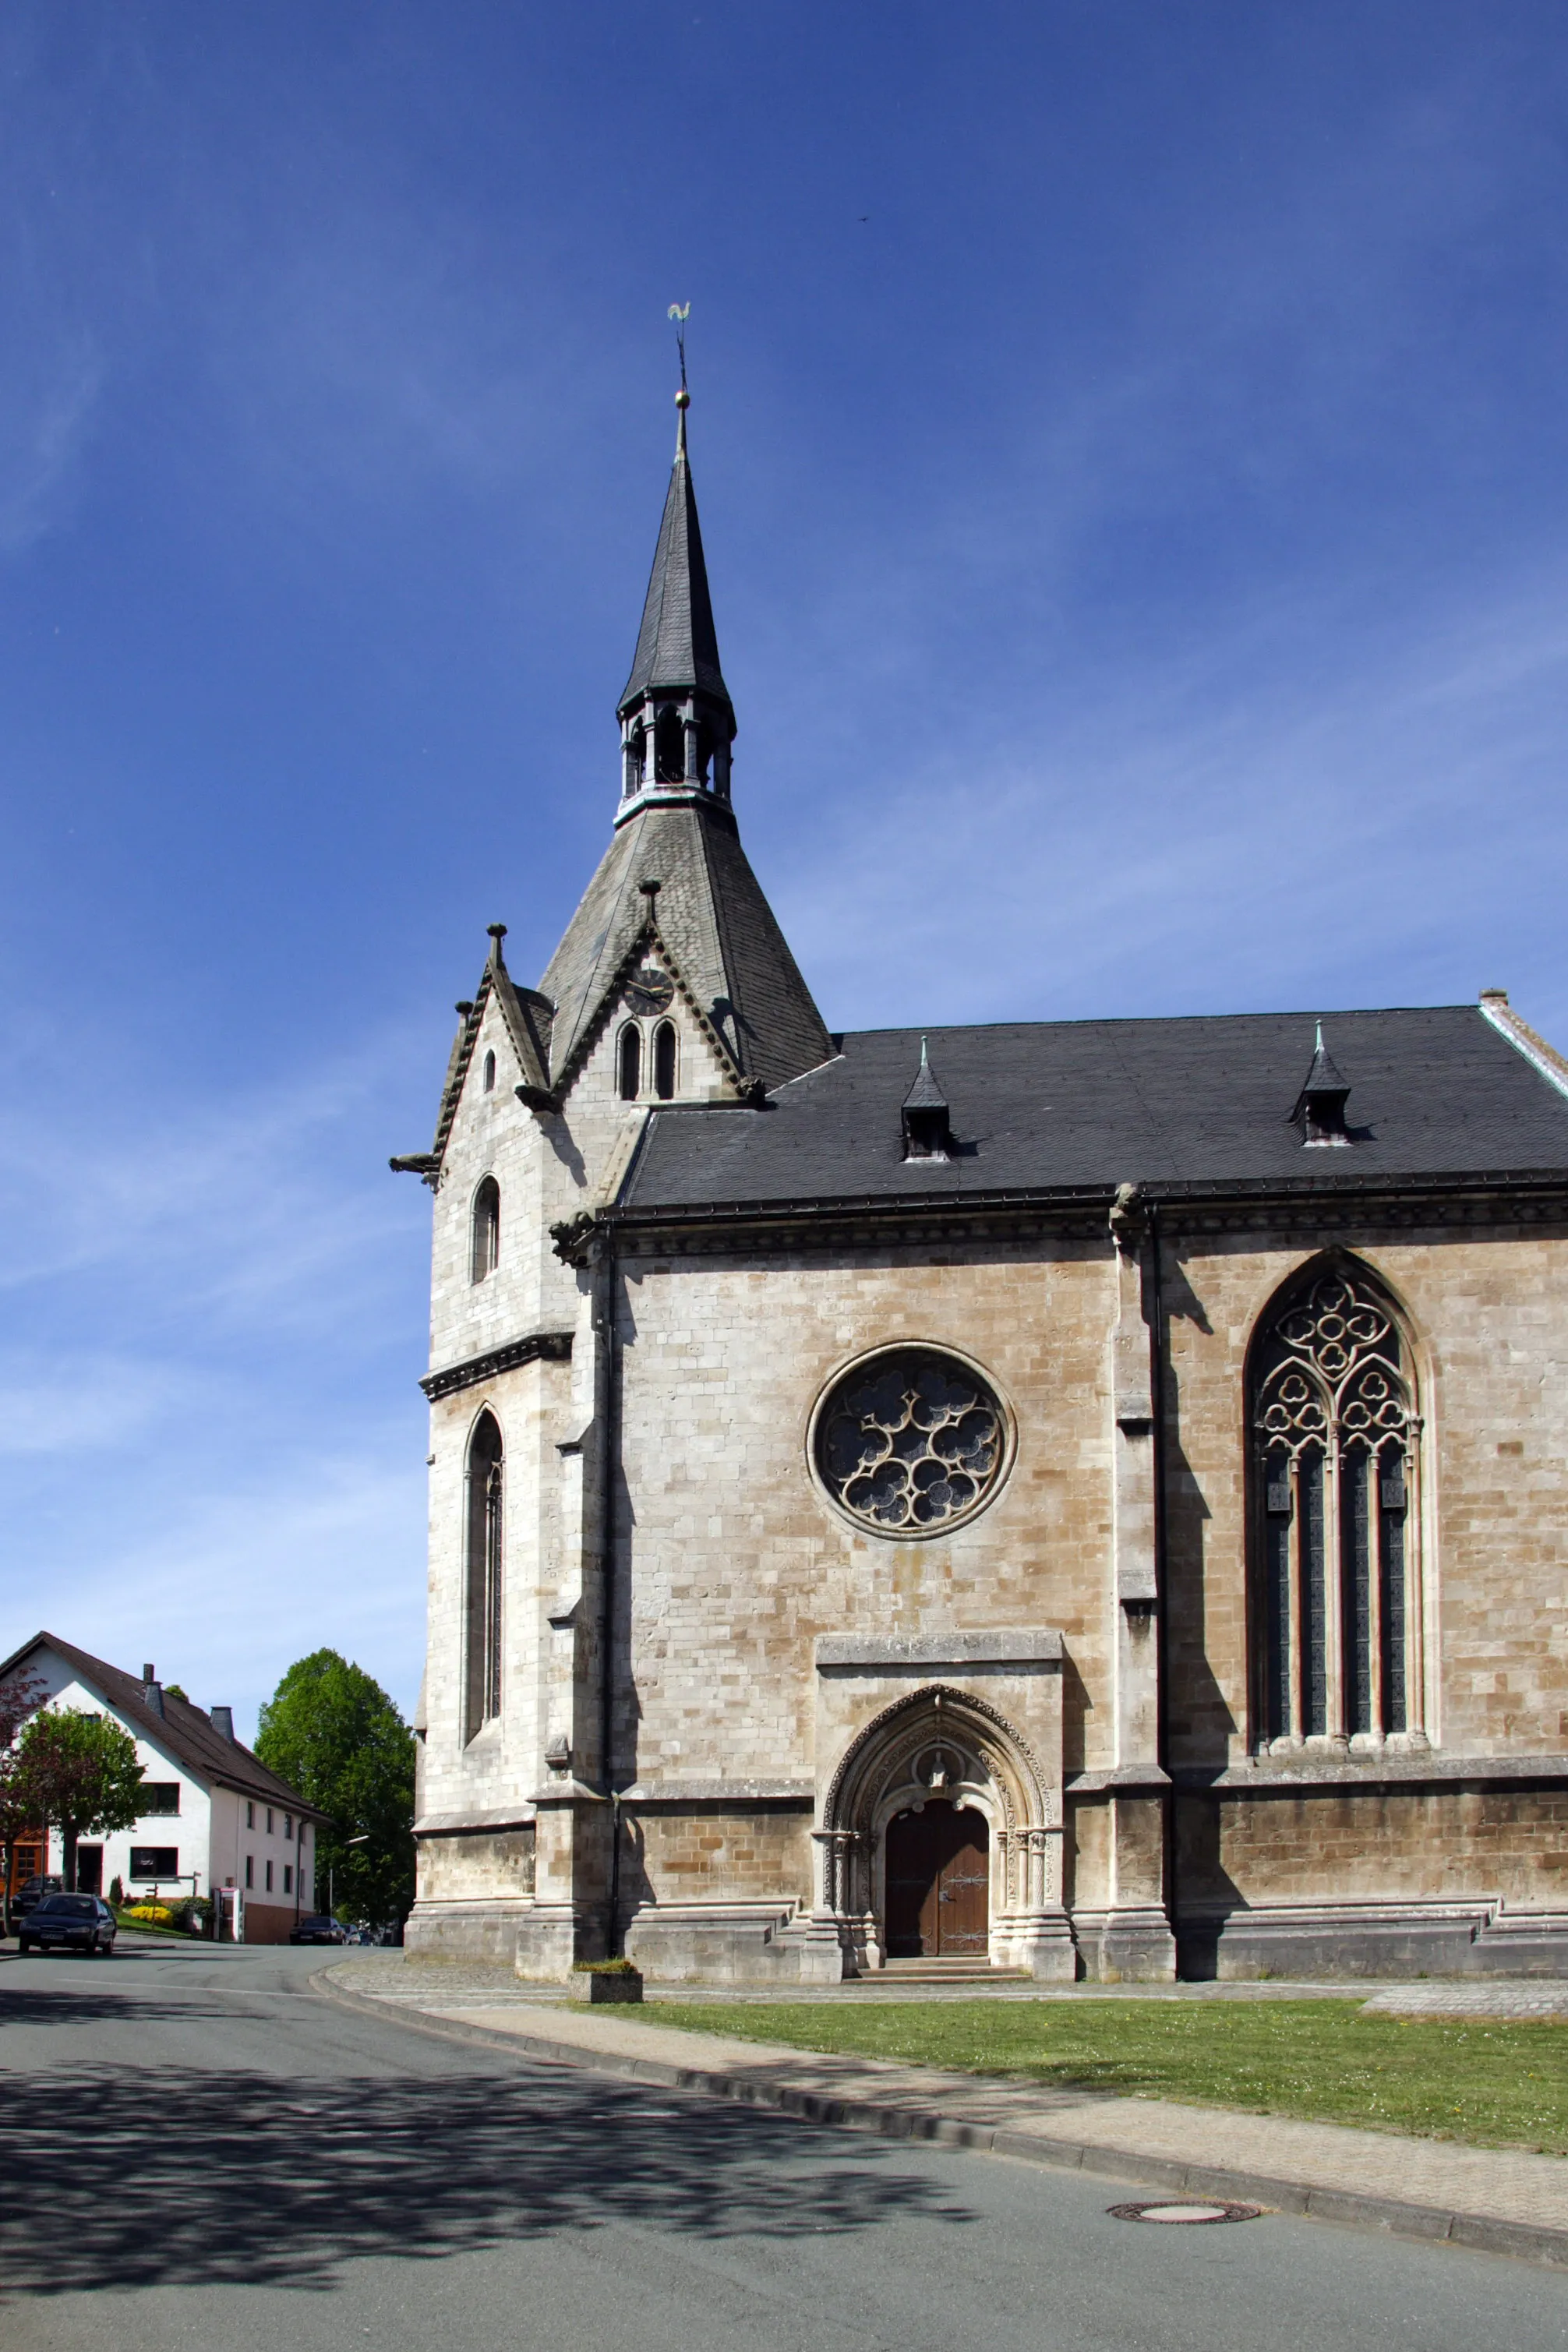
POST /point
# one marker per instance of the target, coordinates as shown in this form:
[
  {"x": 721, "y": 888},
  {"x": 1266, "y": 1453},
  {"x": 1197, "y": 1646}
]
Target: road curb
[{"x": 1521, "y": 2241}]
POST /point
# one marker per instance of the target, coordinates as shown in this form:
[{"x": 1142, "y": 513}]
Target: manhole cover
[{"x": 1191, "y": 2212}]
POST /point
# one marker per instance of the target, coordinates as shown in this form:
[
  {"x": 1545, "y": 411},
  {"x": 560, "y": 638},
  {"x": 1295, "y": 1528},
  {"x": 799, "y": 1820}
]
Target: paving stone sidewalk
[{"x": 1506, "y": 2201}]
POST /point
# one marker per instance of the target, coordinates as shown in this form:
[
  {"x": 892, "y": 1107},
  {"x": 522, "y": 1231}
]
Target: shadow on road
[{"x": 195, "y": 2179}]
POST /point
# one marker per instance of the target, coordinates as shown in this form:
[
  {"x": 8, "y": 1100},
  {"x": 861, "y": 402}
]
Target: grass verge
[{"x": 1493, "y": 2084}]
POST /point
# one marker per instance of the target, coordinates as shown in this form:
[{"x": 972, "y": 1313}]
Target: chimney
[
  {"x": 149, "y": 1673},
  {"x": 222, "y": 1722},
  {"x": 151, "y": 1692}
]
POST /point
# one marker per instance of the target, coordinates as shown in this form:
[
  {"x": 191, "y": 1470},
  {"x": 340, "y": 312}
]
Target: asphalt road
[{"x": 200, "y": 2151}]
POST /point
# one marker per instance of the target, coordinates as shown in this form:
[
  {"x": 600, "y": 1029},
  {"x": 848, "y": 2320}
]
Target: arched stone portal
[{"x": 944, "y": 1746}]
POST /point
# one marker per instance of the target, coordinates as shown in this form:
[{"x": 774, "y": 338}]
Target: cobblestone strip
[{"x": 1517, "y": 1998}]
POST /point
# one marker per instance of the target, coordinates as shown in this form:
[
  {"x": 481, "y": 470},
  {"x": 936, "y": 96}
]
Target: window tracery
[
  {"x": 1335, "y": 1454},
  {"x": 911, "y": 1441}
]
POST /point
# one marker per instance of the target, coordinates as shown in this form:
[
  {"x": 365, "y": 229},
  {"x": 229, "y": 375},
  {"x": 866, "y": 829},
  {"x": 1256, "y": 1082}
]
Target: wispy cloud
[
  {"x": 1244, "y": 829},
  {"x": 208, "y": 1421}
]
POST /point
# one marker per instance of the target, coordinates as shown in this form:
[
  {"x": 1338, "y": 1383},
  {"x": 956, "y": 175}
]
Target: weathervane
[{"x": 680, "y": 313}]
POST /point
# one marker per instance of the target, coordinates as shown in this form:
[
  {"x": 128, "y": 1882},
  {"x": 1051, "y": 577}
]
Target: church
[{"x": 1068, "y": 1499}]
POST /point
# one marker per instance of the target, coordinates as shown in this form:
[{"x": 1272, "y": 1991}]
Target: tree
[
  {"x": 331, "y": 1731},
  {"x": 20, "y": 1696},
  {"x": 79, "y": 1773}
]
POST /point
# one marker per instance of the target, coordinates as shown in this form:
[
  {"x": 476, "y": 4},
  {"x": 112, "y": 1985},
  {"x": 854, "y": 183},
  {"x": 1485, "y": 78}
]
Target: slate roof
[
  {"x": 719, "y": 929},
  {"x": 1201, "y": 1102},
  {"x": 184, "y": 1730},
  {"x": 677, "y": 646}
]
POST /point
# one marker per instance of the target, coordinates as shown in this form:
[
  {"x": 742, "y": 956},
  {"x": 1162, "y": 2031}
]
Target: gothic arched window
[
  {"x": 664, "y": 1061},
  {"x": 489, "y": 1073},
  {"x": 669, "y": 746},
  {"x": 484, "y": 1237},
  {"x": 628, "y": 1063},
  {"x": 482, "y": 1599},
  {"x": 1334, "y": 1447}
]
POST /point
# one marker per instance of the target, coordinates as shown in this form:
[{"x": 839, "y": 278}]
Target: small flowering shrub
[{"x": 157, "y": 1914}]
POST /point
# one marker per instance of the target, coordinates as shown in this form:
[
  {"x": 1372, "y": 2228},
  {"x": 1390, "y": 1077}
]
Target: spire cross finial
[{"x": 680, "y": 313}]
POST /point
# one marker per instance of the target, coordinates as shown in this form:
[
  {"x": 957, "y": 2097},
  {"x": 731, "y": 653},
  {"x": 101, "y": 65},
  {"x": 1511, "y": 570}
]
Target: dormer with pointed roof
[{"x": 1320, "y": 1106}]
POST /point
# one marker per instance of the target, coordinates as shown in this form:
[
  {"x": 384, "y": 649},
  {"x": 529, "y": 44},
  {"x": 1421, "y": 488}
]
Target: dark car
[
  {"x": 31, "y": 1893},
  {"x": 318, "y": 1927},
  {"x": 69, "y": 1922}
]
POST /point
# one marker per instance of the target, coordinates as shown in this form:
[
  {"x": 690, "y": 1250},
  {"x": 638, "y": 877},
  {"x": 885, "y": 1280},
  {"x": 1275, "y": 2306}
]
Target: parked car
[
  {"x": 69, "y": 1923},
  {"x": 31, "y": 1893},
  {"x": 318, "y": 1927}
]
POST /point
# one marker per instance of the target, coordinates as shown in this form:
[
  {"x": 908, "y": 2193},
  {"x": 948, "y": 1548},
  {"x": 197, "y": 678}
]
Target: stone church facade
[{"x": 1085, "y": 1498}]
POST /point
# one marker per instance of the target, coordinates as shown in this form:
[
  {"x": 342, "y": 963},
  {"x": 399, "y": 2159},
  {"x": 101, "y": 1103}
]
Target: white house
[{"x": 213, "y": 1814}]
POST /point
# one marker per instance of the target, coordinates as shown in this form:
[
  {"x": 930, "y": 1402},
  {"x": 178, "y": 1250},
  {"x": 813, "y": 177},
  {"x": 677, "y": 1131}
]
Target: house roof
[
  {"x": 1203, "y": 1101},
  {"x": 184, "y": 1729}
]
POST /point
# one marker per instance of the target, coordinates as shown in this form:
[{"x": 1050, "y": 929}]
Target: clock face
[{"x": 649, "y": 990}]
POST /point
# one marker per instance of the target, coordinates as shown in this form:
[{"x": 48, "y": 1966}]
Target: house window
[
  {"x": 484, "y": 1240},
  {"x": 269, "y": 1878},
  {"x": 154, "y": 1862},
  {"x": 288, "y": 1878},
  {"x": 269, "y": 1820},
  {"x": 628, "y": 1063},
  {"x": 482, "y": 1613},
  {"x": 664, "y": 1060},
  {"x": 158, "y": 1797},
  {"x": 489, "y": 1073},
  {"x": 250, "y": 1816},
  {"x": 288, "y": 1825},
  {"x": 250, "y": 1867},
  {"x": 1335, "y": 1463}
]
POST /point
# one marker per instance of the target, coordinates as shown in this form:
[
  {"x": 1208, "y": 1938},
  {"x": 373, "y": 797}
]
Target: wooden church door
[{"x": 938, "y": 1884}]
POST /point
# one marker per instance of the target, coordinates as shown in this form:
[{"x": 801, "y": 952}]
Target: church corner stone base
[
  {"x": 1127, "y": 1947},
  {"x": 1358, "y": 1941},
  {"x": 477, "y": 1930}
]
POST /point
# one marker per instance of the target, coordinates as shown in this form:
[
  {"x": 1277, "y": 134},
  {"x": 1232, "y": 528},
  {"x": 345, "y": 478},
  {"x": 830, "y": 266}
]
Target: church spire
[{"x": 677, "y": 719}]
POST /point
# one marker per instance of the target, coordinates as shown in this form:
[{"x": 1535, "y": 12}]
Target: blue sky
[{"x": 1132, "y": 446}]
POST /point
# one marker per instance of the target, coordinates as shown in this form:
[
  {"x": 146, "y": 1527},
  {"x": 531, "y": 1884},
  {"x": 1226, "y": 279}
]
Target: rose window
[{"x": 910, "y": 1441}]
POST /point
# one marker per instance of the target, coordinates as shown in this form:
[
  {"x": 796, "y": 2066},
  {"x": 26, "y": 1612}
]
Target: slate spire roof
[
  {"x": 677, "y": 646},
  {"x": 712, "y": 925},
  {"x": 709, "y": 921}
]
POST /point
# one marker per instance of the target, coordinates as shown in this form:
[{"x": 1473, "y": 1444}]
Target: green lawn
[{"x": 1497, "y": 2085}]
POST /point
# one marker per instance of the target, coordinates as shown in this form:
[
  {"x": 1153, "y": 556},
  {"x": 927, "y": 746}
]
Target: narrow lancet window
[
  {"x": 1334, "y": 1458},
  {"x": 664, "y": 1061},
  {"x": 482, "y": 1612},
  {"x": 484, "y": 1241},
  {"x": 629, "y": 1062},
  {"x": 489, "y": 1073},
  {"x": 669, "y": 746}
]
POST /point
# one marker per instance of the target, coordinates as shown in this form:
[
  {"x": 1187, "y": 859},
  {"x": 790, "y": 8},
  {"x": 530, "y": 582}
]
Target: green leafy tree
[
  {"x": 331, "y": 1731},
  {"x": 80, "y": 1773}
]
